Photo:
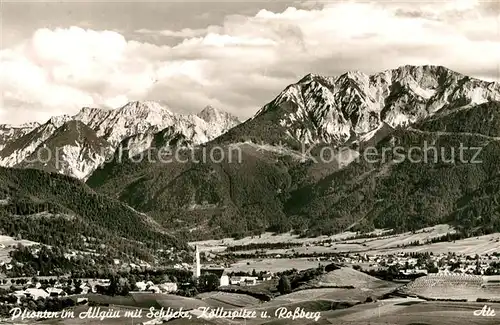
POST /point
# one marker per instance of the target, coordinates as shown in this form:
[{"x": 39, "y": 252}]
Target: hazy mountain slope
[
  {"x": 480, "y": 209},
  {"x": 218, "y": 119},
  {"x": 334, "y": 109},
  {"x": 16, "y": 151},
  {"x": 9, "y": 133},
  {"x": 71, "y": 213},
  {"x": 407, "y": 194},
  {"x": 142, "y": 142},
  {"x": 73, "y": 149}
]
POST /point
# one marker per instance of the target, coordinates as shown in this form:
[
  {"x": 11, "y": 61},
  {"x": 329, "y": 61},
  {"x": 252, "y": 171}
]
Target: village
[
  {"x": 401, "y": 265},
  {"x": 210, "y": 273}
]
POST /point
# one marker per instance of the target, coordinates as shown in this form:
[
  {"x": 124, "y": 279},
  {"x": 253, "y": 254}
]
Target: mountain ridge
[
  {"x": 73, "y": 149},
  {"x": 114, "y": 126},
  {"x": 329, "y": 109}
]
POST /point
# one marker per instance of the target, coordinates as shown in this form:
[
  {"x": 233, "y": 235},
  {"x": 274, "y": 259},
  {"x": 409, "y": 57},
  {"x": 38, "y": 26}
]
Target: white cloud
[
  {"x": 183, "y": 33},
  {"x": 243, "y": 63}
]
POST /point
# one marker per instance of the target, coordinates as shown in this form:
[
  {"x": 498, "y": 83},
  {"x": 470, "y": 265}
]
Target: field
[
  {"x": 348, "y": 277},
  {"x": 221, "y": 244},
  {"x": 315, "y": 298},
  {"x": 452, "y": 286},
  {"x": 327, "y": 294},
  {"x": 401, "y": 311},
  {"x": 323, "y": 288},
  {"x": 332, "y": 305},
  {"x": 145, "y": 300},
  {"x": 228, "y": 299},
  {"x": 410, "y": 312},
  {"x": 6, "y": 246},
  {"x": 344, "y": 242},
  {"x": 273, "y": 264}
]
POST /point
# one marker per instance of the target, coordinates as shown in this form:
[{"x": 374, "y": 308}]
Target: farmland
[
  {"x": 145, "y": 300},
  {"x": 228, "y": 299},
  {"x": 345, "y": 276},
  {"x": 374, "y": 243},
  {"x": 452, "y": 286},
  {"x": 340, "y": 292},
  {"x": 272, "y": 264},
  {"x": 409, "y": 311},
  {"x": 8, "y": 243},
  {"x": 368, "y": 301}
]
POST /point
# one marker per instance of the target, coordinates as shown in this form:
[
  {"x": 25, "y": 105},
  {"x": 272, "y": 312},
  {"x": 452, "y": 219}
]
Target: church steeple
[{"x": 198, "y": 264}]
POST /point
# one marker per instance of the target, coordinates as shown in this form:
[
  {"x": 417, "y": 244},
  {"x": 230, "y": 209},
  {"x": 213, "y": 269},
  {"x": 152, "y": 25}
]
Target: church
[{"x": 219, "y": 271}]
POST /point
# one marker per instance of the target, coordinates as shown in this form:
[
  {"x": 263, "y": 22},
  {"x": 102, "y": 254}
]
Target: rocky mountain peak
[
  {"x": 107, "y": 128},
  {"x": 29, "y": 125},
  {"x": 208, "y": 111},
  {"x": 75, "y": 149},
  {"x": 58, "y": 121},
  {"x": 212, "y": 115},
  {"x": 332, "y": 108}
]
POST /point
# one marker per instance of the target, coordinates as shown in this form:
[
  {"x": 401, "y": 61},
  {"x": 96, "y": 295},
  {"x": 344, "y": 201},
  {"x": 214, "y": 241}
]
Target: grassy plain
[{"x": 344, "y": 242}]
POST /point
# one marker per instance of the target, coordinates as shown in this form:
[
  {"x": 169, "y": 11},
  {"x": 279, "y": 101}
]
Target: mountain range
[
  {"x": 78, "y": 144},
  {"x": 281, "y": 179},
  {"x": 335, "y": 109}
]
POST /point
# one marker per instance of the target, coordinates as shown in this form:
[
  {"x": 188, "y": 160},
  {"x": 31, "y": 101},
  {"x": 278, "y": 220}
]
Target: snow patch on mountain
[{"x": 367, "y": 136}]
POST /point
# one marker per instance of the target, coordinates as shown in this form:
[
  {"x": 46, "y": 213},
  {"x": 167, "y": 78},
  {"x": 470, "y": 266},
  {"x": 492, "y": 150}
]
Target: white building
[
  {"x": 198, "y": 263},
  {"x": 243, "y": 280},
  {"x": 168, "y": 287},
  {"x": 267, "y": 277},
  {"x": 143, "y": 286},
  {"x": 36, "y": 293},
  {"x": 56, "y": 292},
  {"x": 219, "y": 271},
  {"x": 154, "y": 289},
  {"x": 224, "y": 280}
]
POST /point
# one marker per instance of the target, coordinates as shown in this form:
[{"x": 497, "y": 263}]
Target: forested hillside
[
  {"x": 62, "y": 211},
  {"x": 203, "y": 199},
  {"x": 386, "y": 192}
]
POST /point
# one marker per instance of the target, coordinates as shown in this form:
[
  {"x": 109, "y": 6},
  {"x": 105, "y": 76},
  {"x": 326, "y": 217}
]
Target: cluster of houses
[
  {"x": 444, "y": 263},
  {"x": 409, "y": 264},
  {"x": 35, "y": 290},
  {"x": 167, "y": 287},
  {"x": 37, "y": 293},
  {"x": 240, "y": 280},
  {"x": 224, "y": 279}
]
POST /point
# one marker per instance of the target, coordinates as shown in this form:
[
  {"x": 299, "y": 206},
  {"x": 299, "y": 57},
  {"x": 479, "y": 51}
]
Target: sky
[{"x": 56, "y": 57}]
